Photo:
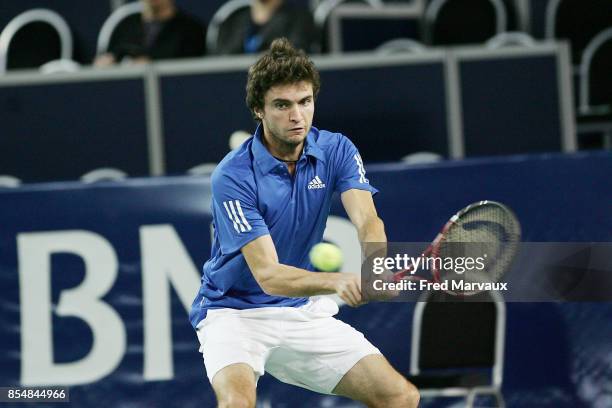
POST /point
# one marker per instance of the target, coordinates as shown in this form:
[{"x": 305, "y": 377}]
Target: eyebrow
[{"x": 282, "y": 100}]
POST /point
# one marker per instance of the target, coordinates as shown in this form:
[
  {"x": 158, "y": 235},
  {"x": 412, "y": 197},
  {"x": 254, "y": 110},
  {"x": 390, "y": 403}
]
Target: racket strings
[{"x": 484, "y": 229}]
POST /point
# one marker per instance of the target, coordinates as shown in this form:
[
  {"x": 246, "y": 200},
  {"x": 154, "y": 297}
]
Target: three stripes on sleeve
[
  {"x": 234, "y": 211},
  {"x": 362, "y": 178}
]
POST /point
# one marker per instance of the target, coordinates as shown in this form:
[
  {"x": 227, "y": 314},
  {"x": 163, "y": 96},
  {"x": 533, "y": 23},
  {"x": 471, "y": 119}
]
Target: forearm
[
  {"x": 372, "y": 236},
  {"x": 285, "y": 280}
]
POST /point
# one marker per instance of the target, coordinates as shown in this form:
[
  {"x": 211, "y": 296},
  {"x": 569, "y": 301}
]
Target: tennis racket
[{"x": 487, "y": 229}]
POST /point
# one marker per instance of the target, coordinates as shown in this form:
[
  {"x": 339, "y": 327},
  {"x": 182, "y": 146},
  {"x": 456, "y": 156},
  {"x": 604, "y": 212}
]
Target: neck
[
  {"x": 288, "y": 153},
  {"x": 263, "y": 10},
  {"x": 162, "y": 13}
]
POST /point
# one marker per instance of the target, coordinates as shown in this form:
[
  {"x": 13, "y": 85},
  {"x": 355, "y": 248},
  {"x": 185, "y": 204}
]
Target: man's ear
[{"x": 258, "y": 113}]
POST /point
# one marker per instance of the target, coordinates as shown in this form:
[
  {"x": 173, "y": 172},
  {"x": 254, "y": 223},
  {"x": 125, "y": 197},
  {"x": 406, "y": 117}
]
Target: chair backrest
[
  {"x": 324, "y": 8},
  {"x": 449, "y": 22},
  {"x": 577, "y": 21},
  {"x": 448, "y": 333},
  {"x": 204, "y": 169},
  {"x": 103, "y": 174},
  {"x": 422, "y": 158},
  {"x": 399, "y": 45},
  {"x": 111, "y": 23},
  {"x": 596, "y": 73},
  {"x": 25, "y": 44},
  {"x": 59, "y": 66},
  {"x": 510, "y": 38},
  {"x": 9, "y": 181},
  {"x": 237, "y": 138},
  {"x": 321, "y": 16},
  {"x": 221, "y": 15}
]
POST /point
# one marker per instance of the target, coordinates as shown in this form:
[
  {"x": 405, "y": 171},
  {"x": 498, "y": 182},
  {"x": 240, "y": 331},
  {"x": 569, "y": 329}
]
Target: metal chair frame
[
  {"x": 32, "y": 16},
  {"x": 497, "y": 367}
]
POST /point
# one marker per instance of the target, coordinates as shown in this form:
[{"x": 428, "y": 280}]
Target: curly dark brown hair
[{"x": 281, "y": 64}]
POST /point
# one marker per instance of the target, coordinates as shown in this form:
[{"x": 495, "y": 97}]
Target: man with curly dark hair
[{"x": 259, "y": 307}]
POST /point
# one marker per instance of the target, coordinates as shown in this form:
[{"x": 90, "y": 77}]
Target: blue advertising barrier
[{"x": 96, "y": 281}]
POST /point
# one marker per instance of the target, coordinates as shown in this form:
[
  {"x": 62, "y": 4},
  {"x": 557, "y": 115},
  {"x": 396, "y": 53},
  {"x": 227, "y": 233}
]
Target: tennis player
[{"x": 257, "y": 309}]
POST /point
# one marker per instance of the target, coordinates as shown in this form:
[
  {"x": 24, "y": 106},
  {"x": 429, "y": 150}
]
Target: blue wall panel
[
  {"x": 510, "y": 105},
  {"x": 389, "y": 119},
  {"x": 60, "y": 131},
  {"x": 388, "y": 112},
  {"x": 367, "y": 33},
  {"x": 200, "y": 112}
]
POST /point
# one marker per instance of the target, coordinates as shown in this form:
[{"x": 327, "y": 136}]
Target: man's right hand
[{"x": 348, "y": 288}]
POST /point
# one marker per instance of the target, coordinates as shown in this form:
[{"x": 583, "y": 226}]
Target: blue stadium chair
[
  {"x": 422, "y": 158},
  {"x": 9, "y": 181},
  {"x": 509, "y": 39},
  {"x": 454, "y": 341},
  {"x": 221, "y": 15},
  {"x": 322, "y": 12},
  {"x": 596, "y": 74},
  {"x": 325, "y": 7},
  {"x": 103, "y": 174},
  {"x": 59, "y": 66},
  {"x": 204, "y": 169},
  {"x": 113, "y": 21},
  {"x": 33, "y": 38},
  {"x": 577, "y": 21},
  {"x": 400, "y": 45},
  {"x": 595, "y": 105},
  {"x": 449, "y": 22}
]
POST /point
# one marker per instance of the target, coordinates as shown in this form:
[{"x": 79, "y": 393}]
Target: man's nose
[{"x": 295, "y": 115}]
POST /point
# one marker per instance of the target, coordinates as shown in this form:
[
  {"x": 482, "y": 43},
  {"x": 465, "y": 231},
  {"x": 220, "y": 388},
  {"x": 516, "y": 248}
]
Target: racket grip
[{"x": 398, "y": 276}]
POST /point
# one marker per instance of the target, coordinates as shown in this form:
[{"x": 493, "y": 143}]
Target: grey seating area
[
  {"x": 506, "y": 92},
  {"x": 156, "y": 119},
  {"x": 368, "y": 23}
]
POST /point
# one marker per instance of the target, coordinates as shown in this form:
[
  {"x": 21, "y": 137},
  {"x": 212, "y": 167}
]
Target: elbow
[
  {"x": 265, "y": 279},
  {"x": 267, "y": 288}
]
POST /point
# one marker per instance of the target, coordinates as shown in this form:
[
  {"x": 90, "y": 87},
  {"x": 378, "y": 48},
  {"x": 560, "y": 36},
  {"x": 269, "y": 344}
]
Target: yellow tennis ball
[{"x": 326, "y": 257}]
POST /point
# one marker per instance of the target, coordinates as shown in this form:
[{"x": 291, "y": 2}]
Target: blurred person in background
[
  {"x": 162, "y": 31},
  {"x": 252, "y": 30}
]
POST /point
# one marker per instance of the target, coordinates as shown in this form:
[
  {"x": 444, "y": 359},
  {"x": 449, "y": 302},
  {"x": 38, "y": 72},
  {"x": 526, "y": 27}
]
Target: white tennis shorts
[{"x": 303, "y": 346}]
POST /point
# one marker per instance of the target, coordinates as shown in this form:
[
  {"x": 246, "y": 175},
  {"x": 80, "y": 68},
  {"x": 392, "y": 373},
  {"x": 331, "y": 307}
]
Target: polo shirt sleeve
[
  {"x": 350, "y": 171},
  {"x": 236, "y": 217}
]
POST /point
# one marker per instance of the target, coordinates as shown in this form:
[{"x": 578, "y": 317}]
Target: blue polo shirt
[{"x": 253, "y": 194}]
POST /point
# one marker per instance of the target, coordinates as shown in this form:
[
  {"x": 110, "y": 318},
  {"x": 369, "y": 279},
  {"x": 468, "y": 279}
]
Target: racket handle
[{"x": 398, "y": 276}]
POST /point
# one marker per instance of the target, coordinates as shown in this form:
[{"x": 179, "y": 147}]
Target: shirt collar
[{"x": 267, "y": 162}]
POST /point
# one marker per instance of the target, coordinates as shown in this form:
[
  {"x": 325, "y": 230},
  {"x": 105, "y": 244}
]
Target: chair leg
[
  {"x": 470, "y": 399},
  {"x": 607, "y": 140}
]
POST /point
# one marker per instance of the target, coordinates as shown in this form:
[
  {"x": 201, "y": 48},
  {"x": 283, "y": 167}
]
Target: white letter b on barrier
[{"x": 83, "y": 301}]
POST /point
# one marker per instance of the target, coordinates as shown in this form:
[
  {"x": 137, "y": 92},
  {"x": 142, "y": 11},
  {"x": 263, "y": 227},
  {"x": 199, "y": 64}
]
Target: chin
[{"x": 295, "y": 139}]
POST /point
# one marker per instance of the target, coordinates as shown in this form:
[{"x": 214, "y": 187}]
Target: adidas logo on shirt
[{"x": 316, "y": 183}]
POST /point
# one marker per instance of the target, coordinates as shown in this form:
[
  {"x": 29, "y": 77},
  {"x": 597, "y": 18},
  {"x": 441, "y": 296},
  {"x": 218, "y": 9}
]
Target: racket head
[{"x": 486, "y": 229}]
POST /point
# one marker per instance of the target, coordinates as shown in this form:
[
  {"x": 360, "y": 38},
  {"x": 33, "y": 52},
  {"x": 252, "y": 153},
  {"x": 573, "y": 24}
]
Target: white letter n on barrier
[
  {"x": 164, "y": 260},
  {"x": 83, "y": 301}
]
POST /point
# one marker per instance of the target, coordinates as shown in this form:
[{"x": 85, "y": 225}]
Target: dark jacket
[
  {"x": 239, "y": 35},
  {"x": 180, "y": 37}
]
